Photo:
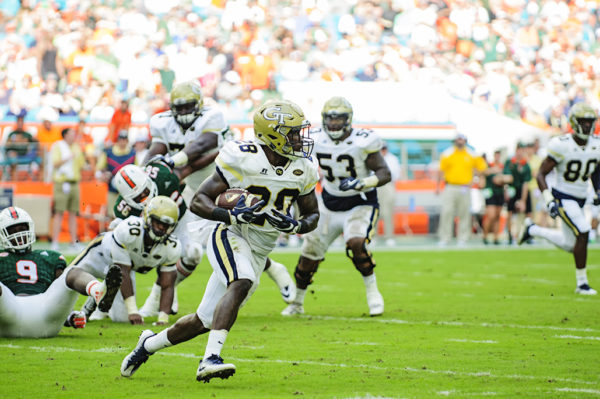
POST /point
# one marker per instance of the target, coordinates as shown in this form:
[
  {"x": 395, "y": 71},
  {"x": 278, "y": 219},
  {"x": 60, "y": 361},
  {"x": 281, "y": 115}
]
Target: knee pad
[
  {"x": 304, "y": 278},
  {"x": 363, "y": 262}
]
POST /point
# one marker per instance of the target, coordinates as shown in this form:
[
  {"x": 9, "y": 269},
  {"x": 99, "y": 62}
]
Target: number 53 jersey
[
  {"x": 341, "y": 159},
  {"x": 575, "y": 164}
]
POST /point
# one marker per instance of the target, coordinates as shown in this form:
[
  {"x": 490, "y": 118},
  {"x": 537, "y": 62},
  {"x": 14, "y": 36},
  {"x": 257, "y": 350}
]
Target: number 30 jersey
[
  {"x": 244, "y": 164},
  {"x": 575, "y": 164},
  {"x": 30, "y": 273},
  {"x": 341, "y": 159},
  {"x": 125, "y": 245}
]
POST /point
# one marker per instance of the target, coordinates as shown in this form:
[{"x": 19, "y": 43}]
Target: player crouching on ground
[
  {"x": 276, "y": 167},
  {"x": 137, "y": 244},
  {"x": 37, "y": 293}
]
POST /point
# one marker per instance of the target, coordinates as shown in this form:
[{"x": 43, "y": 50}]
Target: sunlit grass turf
[{"x": 473, "y": 323}]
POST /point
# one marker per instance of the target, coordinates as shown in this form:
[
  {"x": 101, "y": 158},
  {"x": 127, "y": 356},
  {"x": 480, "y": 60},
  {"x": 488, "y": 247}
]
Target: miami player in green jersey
[
  {"x": 137, "y": 185},
  {"x": 37, "y": 289}
]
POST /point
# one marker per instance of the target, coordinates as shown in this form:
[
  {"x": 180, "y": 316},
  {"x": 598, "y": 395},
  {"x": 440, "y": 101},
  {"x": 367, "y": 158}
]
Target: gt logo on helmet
[{"x": 275, "y": 114}]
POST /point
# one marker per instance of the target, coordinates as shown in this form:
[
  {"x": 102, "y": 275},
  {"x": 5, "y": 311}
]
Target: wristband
[
  {"x": 162, "y": 317},
  {"x": 371, "y": 181},
  {"x": 548, "y": 197},
  {"x": 179, "y": 159},
  {"x": 131, "y": 305}
]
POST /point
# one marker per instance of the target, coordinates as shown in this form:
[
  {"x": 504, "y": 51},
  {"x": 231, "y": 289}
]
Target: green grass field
[{"x": 472, "y": 323}]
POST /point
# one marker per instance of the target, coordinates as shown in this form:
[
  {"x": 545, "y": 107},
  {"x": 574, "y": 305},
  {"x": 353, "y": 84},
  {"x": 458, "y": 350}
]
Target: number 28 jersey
[
  {"x": 575, "y": 164},
  {"x": 244, "y": 164},
  {"x": 341, "y": 159}
]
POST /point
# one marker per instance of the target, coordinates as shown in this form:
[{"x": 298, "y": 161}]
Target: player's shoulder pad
[
  {"x": 236, "y": 154},
  {"x": 212, "y": 119},
  {"x": 122, "y": 233},
  {"x": 173, "y": 252},
  {"x": 308, "y": 170},
  {"x": 52, "y": 256},
  {"x": 367, "y": 139},
  {"x": 160, "y": 120}
]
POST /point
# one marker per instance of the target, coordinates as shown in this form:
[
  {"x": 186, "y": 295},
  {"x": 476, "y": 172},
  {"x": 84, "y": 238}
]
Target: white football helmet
[
  {"x": 135, "y": 186},
  {"x": 16, "y": 230}
]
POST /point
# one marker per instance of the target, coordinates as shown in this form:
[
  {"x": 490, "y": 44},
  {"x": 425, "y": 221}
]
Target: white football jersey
[
  {"x": 575, "y": 164},
  {"x": 125, "y": 245},
  {"x": 164, "y": 129},
  {"x": 244, "y": 164},
  {"x": 341, "y": 159}
]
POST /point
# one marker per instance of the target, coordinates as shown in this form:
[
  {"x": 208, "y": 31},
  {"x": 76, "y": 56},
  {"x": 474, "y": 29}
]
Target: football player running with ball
[
  {"x": 37, "y": 289},
  {"x": 575, "y": 157},
  {"x": 352, "y": 167},
  {"x": 276, "y": 167},
  {"x": 137, "y": 244}
]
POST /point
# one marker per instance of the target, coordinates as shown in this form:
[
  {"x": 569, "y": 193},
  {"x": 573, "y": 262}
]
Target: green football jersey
[
  {"x": 30, "y": 273},
  {"x": 167, "y": 184}
]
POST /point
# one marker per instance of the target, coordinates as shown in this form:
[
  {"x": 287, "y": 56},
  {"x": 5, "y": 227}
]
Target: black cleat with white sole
[{"x": 213, "y": 367}]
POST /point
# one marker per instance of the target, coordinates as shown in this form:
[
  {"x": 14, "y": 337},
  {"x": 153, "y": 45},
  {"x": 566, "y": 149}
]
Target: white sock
[
  {"x": 300, "y": 293},
  {"x": 154, "y": 296},
  {"x": 216, "y": 340},
  {"x": 157, "y": 342},
  {"x": 95, "y": 289},
  {"x": 581, "y": 276},
  {"x": 370, "y": 280}
]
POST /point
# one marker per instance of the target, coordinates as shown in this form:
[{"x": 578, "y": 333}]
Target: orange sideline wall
[{"x": 93, "y": 194}]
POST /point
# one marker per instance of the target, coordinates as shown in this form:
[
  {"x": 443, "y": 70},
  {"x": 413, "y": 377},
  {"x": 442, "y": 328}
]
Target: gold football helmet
[
  {"x": 160, "y": 217},
  {"x": 337, "y": 117},
  {"x": 582, "y": 118},
  {"x": 186, "y": 103},
  {"x": 280, "y": 125}
]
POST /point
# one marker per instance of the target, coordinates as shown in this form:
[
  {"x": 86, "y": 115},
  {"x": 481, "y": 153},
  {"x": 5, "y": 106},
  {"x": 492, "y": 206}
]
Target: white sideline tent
[{"x": 414, "y": 103}]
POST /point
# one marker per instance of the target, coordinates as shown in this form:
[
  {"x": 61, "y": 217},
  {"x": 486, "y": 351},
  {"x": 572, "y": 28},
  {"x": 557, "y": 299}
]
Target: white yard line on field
[
  {"x": 472, "y": 341},
  {"x": 356, "y": 343},
  {"x": 576, "y": 337},
  {"x": 578, "y": 390},
  {"x": 462, "y": 393},
  {"x": 445, "y": 323},
  {"x": 313, "y": 363}
]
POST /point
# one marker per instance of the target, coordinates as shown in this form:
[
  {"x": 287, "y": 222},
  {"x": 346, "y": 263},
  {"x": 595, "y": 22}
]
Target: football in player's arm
[
  {"x": 37, "y": 289},
  {"x": 575, "y": 157},
  {"x": 277, "y": 168},
  {"x": 352, "y": 167}
]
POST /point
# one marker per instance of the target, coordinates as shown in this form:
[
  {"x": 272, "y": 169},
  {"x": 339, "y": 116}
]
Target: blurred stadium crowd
[{"x": 526, "y": 59}]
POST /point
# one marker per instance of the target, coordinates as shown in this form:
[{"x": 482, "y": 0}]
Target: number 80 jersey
[{"x": 575, "y": 164}]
